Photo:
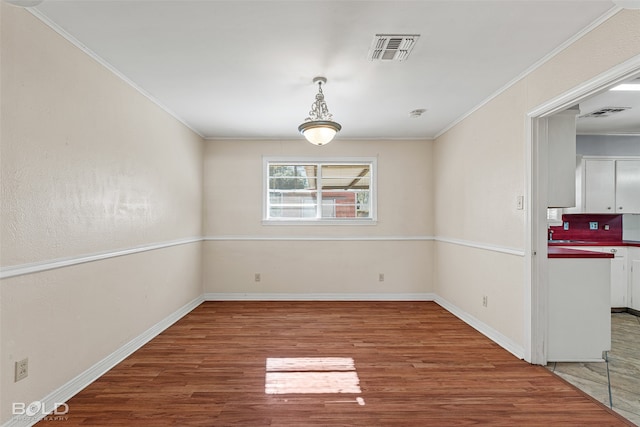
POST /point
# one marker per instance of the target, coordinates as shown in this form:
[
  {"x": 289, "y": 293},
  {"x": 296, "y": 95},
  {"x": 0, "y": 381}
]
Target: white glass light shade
[
  {"x": 319, "y": 132},
  {"x": 24, "y": 3}
]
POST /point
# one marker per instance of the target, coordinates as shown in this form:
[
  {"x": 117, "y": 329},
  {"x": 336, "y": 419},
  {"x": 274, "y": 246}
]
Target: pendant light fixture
[{"x": 319, "y": 128}]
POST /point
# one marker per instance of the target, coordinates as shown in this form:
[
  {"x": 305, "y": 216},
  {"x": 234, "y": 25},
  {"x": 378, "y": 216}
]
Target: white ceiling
[
  {"x": 626, "y": 122},
  {"x": 243, "y": 69}
]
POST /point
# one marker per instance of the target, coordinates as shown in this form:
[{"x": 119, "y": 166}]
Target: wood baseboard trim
[
  {"x": 68, "y": 390},
  {"x": 633, "y": 311}
]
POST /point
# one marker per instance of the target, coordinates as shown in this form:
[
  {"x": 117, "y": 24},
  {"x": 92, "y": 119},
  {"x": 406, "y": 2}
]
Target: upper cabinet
[
  {"x": 611, "y": 185},
  {"x": 628, "y": 186},
  {"x": 561, "y": 138}
]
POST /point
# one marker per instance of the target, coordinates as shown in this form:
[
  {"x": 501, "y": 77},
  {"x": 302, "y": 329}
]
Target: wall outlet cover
[
  {"x": 22, "y": 369},
  {"x": 593, "y": 225}
]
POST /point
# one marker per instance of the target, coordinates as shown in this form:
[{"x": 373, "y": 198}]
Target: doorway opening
[{"x": 537, "y": 175}]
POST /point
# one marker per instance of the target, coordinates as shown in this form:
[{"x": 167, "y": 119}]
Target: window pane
[
  {"x": 345, "y": 192},
  {"x": 292, "y": 204},
  {"x": 345, "y": 177},
  {"x": 290, "y": 177}
]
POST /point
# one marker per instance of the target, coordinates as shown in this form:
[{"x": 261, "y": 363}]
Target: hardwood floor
[{"x": 417, "y": 365}]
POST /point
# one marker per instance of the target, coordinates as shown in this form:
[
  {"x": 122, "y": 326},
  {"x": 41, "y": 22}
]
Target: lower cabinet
[
  {"x": 619, "y": 279},
  {"x": 579, "y": 313},
  {"x": 619, "y": 273},
  {"x": 634, "y": 278}
]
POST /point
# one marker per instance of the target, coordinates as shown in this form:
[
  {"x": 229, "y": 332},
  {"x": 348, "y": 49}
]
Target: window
[{"x": 319, "y": 191}]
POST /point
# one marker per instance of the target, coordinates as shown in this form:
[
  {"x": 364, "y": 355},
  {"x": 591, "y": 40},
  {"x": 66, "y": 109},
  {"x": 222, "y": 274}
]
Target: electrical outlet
[
  {"x": 22, "y": 369},
  {"x": 381, "y": 277},
  {"x": 593, "y": 225},
  {"x": 485, "y": 300},
  {"x": 257, "y": 277}
]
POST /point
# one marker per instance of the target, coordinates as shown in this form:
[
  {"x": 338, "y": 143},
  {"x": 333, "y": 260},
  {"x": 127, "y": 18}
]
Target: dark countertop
[
  {"x": 560, "y": 252},
  {"x": 593, "y": 243}
]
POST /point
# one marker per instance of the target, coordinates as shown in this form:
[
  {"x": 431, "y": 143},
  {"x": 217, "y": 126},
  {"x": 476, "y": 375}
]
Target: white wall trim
[
  {"x": 37, "y": 267},
  {"x": 533, "y": 67},
  {"x": 535, "y": 280},
  {"x": 486, "y": 330},
  {"x": 239, "y": 296},
  {"x": 77, "y": 384},
  {"x": 318, "y": 238},
  {"x": 495, "y": 336},
  {"x": 575, "y": 95},
  {"x": 55, "y": 27},
  {"x": 460, "y": 242},
  {"x": 478, "y": 245},
  {"x": 607, "y": 133},
  {"x": 68, "y": 390}
]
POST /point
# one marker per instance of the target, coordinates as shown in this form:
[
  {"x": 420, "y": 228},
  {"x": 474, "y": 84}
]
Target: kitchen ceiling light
[
  {"x": 627, "y": 86},
  {"x": 24, "y": 3},
  {"x": 319, "y": 128}
]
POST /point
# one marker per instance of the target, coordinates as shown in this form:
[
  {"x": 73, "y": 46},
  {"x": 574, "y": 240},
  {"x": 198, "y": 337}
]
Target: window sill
[{"x": 319, "y": 222}]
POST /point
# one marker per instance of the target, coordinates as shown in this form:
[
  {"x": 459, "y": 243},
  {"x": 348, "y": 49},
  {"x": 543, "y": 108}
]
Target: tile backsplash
[{"x": 584, "y": 227}]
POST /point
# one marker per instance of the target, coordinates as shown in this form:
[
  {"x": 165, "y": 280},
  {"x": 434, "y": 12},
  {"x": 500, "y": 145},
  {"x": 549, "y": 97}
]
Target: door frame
[{"x": 536, "y": 181}]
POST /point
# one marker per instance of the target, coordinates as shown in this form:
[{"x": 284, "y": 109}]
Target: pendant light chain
[
  {"x": 319, "y": 109},
  {"x": 319, "y": 128}
]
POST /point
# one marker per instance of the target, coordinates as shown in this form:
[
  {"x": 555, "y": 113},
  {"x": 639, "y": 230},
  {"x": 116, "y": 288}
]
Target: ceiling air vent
[
  {"x": 605, "y": 112},
  {"x": 392, "y": 47}
]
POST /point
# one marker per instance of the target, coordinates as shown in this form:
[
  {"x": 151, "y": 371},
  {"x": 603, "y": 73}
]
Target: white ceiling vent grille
[
  {"x": 392, "y": 47},
  {"x": 605, "y": 112}
]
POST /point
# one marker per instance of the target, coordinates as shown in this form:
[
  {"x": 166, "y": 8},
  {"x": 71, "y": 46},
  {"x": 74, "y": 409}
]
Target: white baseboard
[
  {"x": 486, "y": 330},
  {"x": 480, "y": 326},
  {"x": 68, "y": 390},
  {"x": 232, "y": 296}
]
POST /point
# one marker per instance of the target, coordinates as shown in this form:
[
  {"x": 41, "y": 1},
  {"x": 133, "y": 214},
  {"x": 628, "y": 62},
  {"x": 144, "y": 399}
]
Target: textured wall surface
[
  {"x": 88, "y": 165},
  {"x": 348, "y": 264},
  {"x": 480, "y": 170}
]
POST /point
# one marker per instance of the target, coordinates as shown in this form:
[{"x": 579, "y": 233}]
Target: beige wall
[
  {"x": 351, "y": 262},
  {"x": 88, "y": 165},
  {"x": 480, "y": 170}
]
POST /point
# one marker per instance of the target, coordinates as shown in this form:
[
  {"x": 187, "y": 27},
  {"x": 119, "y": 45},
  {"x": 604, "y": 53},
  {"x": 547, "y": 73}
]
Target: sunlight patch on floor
[{"x": 311, "y": 375}]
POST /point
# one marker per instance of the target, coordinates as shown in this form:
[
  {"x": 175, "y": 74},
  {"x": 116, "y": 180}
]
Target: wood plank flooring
[{"x": 417, "y": 365}]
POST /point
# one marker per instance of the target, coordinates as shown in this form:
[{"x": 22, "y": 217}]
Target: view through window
[{"x": 319, "y": 191}]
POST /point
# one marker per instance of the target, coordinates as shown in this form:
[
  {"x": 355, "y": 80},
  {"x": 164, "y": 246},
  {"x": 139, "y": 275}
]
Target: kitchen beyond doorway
[{"x": 615, "y": 382}]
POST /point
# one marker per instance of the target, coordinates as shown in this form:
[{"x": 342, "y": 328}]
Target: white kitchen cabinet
[
  {"x": 612, "y": 185},
  {"x": 627, "y": 186},
  {"x": 579, "y": 314},
  {"x": 600, "y": 186},
  {"x": 619, "y": 273},
  {"x": 634, "y": 278},
  {"x": 561, "y": 138},
  {"x": 619, "y": 278}
]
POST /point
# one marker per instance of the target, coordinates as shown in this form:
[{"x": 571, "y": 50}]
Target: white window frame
[{"x": 372, "y": 161}]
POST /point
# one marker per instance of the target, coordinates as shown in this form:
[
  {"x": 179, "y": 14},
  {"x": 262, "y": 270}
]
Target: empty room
[{"x": 290, "y": 213}]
